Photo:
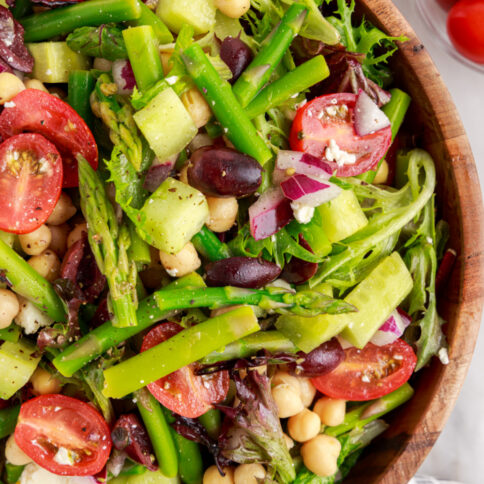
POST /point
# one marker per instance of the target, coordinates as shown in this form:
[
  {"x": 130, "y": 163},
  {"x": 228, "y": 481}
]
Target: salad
[{"x": 219, "y": 253}]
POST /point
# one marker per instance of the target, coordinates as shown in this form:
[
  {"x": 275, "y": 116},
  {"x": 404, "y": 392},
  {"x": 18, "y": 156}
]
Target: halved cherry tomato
[
  {"x": 465, "y": 25},
  {"x": 369, "y": 373},
  {"x": 30, "y": 182},
  {"x": 53, "y": 429},
  {"x": 331, "y": 117},
  {"x": 184, "y": 392},
  {"x": 39, "y": 112}
]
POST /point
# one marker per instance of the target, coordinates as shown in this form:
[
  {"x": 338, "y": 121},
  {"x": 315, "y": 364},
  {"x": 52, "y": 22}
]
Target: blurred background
[{"x": 459, "y": 452}]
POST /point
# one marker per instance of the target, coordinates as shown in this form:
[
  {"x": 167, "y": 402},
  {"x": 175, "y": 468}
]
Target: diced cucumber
[
  {"x": 11, "y": 333},
  {"x": 18, "y": 361},
  {"x": 200, "y": 14},
  {"x": 342, "y": 216},
  {"x": 53, "y": 61},
  {"x": 173, "y": 214},
  {"x": 166, "y": 124},
  {"x": 147, "y": 477},
  {"x": 308, "y": 333},
  {"x": 376, "y": 297}
]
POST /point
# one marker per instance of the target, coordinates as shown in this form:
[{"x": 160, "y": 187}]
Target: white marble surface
[{"x": 459, "y": 452}]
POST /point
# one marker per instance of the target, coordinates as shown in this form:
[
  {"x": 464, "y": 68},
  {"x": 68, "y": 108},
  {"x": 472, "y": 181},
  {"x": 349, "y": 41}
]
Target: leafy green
[{"x": 367, "y": 39}]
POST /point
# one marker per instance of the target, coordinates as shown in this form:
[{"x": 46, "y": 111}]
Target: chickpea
[
  {"x": 10, "y": 86},
  {"x": 46, "y": 264},
  {"x": 212, "y": 476},
  {"x": 182, "y": 263},
  {"x": 304, "y": 426},
  {"x": 200, "y": 140},
  {"x": 283, "y": 377},
  {"x": 233, "y": 8},
  {"x": 9, "y": 307},
  {"x": 382, "y": 173},
  {"x": 59, "y": 238},
  {"x": 308, "y": 391},
  {"x": 223, "y": 212},
  {"x": 14, "y": 454},
  {"x": 219, "y": 311},
  {"x": 35, "y": 84},
  {"x": 197, "y": 107},
  {"x": 76, "y": 233},
  {"x": 101, "y": 64},
  {"x": 249, "y": 474},
  {"x": 287, "y": 399},
  {"x": 63, "y": 210},
  {"x": 165, "y": 61},
  {"x": 44, "y": 383},
  {"x": 331, "y": 411},
  {"x": 37, "y": 241},
  {"x": 289, "y": 441},
  {"x": 320, "y": 455}
]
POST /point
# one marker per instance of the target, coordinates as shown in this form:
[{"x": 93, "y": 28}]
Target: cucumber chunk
[
  {"x": 173, "y": 214},
  {"x": 53, "y": 61},
  {"x": 166, "y": 124},
  {"x": 18, "y": 361},
  {"x": 342, "y": 216},
  {"x": 200, "y": 14}
]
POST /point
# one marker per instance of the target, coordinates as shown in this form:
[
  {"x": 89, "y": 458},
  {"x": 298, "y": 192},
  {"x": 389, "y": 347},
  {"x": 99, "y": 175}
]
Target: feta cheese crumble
[
  {"x": 302, "y": 213},
  {"x": 334, "y": 153}
]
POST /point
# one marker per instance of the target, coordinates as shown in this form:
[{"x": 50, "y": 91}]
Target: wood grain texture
[{"x": 396, "y": 456}]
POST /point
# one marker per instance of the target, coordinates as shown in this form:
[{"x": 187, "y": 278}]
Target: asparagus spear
[
  {"x": 303, "y": 302},
  {"x": 225, "y": 106},
  {"x": 180, "y": 350},
  {"x": 366, "y": 413},
  {"x": 144, "y": 55},
  {"x": 59, "y": 21},
  {"x": 209, "y": 245},
  {"x": 105, "y": 41},
  {"x": 272, "y": 50},
  {"x": 148, "y": 17},
  {"x": 27, "y": 282},
  {"x": 294, "y": 82},
  {"x": 106, "y": 336},
  {"x": 109, "y": 244}
]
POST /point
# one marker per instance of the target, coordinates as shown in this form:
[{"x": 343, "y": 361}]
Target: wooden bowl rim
[{"x": 384, "y": 14}]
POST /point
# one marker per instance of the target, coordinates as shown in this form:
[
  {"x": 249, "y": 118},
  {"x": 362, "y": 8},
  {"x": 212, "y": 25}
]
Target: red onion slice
[
  {"x": 368, "y": 116},
  {"x": 392, "y": 328},
  {"x": 123, "y": 76},
  {"x": 309, "y": 191},
  {"x": 291, "y": 162},
  {"x": 269, "y": 213}
]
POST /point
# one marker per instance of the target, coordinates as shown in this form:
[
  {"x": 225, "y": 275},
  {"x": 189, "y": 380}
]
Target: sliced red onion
[
  {"x": 392, "y": 328},
  {"x": 292, "y": 162},
  {"x": 158, "y": 173},
  {"x": 123, "y": 76},
  {"x": 309, "y": 191},
  {"x": 368, "y": 116},
  {"x": 269, "y": 213}
]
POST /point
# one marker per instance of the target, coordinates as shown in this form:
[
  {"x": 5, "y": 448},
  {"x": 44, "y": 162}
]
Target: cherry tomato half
[
  {"x": 465, "y": 26},
  {"x": 30, "y": 182},
  {"x": 55, "y": 429},
  {"x": 184, "y": 392},
  {"x": 369, "y": 373},
  {"x": 331, "y": 117},
  {"x": 39, "y": 112}
]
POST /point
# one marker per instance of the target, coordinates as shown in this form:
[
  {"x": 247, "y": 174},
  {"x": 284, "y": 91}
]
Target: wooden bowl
[{"x": 397, "y": 455}]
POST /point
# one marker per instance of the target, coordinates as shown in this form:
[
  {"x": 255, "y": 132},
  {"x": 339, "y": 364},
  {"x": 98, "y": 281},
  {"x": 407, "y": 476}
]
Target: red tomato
[
  {"x": 40, "y": 112},
  {"x": 52, "y": 423},
  {"x": 30, "y": 182},
  {"x": 465, "y": 25},
  {"x": 184, "y": 392},
  {"x": 369, "y": 373},
  {"x": 326, "y": 118}
]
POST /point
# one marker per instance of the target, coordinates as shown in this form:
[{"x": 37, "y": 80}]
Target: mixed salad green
[{"x": 219, "y": 255}]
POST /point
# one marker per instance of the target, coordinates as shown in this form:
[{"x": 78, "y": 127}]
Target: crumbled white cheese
[
  {"x": 172, "y": 272},
  {"x": 444, "y": 356},
  {"x": 34, "y": 474},
  {"x": 302, "y": 213},
  {"x": 171, "y": 80},
  {"x": 30, "y": 318},
  {"x": 65, "y": 457},
  {"x": 334, "y": 153},
  {"x": 9, "y": 104}
]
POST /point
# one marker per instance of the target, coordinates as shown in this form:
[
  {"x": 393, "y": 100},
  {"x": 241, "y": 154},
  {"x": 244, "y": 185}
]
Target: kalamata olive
[
  {"x": 322, "y": 360},
  {"x": 236, "y": 54},
  {"x": 247, "y": 272},
  {"x": 298, "y": 271},
  {"x": 129, "y": 434},
  {"x": 224, "y": 172}
]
